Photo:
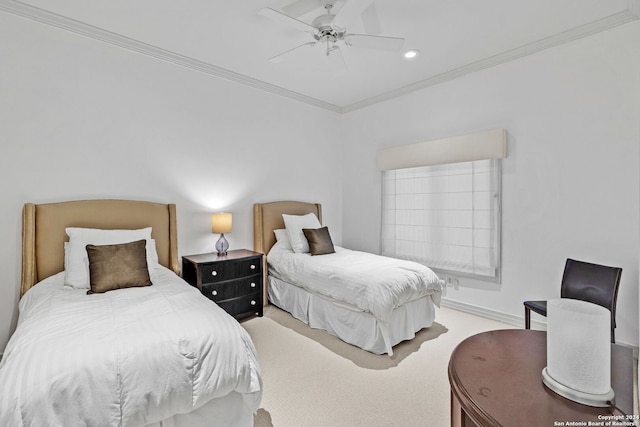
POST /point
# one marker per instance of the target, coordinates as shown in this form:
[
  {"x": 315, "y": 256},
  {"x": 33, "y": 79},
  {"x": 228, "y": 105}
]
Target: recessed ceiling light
[{"x": 410, "y": 54}]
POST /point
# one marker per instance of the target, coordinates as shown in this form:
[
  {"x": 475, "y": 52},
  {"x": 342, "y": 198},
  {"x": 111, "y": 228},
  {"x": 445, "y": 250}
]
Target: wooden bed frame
[{"x": 43, "y": 231}]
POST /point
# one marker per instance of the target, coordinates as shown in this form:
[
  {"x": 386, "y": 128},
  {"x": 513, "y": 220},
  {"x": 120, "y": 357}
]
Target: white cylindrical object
[{"x": 579, "y": 345}]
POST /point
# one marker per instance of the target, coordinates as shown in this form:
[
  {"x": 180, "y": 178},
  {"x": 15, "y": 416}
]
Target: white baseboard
[{"x": 509, "y": 319}]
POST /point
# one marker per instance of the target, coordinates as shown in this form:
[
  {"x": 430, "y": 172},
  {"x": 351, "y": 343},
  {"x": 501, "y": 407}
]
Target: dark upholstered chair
[{"x": 584, "y": 281}]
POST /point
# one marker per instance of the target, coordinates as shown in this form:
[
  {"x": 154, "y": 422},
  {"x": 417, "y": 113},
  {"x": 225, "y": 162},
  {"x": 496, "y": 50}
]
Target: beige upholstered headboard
[
  {"x": 43, "y": 231},
  {"x": 268, "y": 217}
]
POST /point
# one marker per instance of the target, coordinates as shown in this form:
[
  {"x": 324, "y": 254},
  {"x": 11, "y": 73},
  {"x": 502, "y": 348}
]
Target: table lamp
[
  {"x": 220, "y": 224},
  {"x": 579, "y": 352}
]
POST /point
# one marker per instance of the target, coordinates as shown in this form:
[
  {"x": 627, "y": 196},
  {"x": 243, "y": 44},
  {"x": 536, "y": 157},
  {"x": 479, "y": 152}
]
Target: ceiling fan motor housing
[
  {"x": 325, "y": 31},
  {"x": 323, "y": 21}
]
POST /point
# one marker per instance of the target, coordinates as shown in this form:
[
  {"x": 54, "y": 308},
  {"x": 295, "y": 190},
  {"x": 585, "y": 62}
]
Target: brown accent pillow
[
  {"x": 319, "y": 241},
  {"x": 118, "y": 266}
]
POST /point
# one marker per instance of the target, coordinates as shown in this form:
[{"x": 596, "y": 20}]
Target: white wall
[
  {"x": 570, "y": 183},
  {"x": 82, "y": 119}
]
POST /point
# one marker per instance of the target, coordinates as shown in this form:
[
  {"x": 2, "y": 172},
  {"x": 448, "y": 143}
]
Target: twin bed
[
  {"x": 159, "y": 355},
  {"x": 367, "y": 300}
]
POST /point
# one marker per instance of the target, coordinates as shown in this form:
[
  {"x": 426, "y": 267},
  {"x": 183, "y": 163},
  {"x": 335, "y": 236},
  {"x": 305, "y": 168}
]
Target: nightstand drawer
[
  {"x": 247, "y": 305},
  {"x": 233, "y": 288},
  {"x": 221, "y": 271}
]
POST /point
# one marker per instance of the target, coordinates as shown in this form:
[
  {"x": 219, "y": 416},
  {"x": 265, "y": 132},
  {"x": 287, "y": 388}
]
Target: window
[{"x": 446, "y": 216}]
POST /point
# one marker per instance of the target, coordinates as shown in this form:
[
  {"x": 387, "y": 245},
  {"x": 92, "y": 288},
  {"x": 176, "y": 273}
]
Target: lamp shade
[
  {"x": 221, "y": 223},
  {"x": 579, "y": 351}
]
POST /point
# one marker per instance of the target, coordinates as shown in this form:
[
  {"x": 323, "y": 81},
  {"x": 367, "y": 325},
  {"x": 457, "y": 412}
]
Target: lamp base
[
  {"x": 599, "y": 400},
  {"x": 222, "y": 245}
]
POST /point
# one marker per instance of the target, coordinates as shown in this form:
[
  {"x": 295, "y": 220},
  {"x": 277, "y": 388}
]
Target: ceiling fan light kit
[{"x": 330, "y": 29}]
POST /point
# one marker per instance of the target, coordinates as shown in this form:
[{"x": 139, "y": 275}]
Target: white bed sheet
[
  {"x": 372, "y": 283},
  {"x": 130, "y": 357},
  {"x": 355, "y": 281}
]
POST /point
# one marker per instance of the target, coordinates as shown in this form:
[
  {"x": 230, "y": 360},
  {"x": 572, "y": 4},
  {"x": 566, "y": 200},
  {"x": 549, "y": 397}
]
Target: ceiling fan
[{"x": 329, "y": 30}]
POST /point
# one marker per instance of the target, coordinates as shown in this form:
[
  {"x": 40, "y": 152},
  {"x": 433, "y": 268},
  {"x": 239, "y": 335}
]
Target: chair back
[{"x": 593, "y": 283}]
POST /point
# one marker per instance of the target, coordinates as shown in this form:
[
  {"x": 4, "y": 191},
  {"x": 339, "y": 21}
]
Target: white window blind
[{"x": 445, "y": 216}]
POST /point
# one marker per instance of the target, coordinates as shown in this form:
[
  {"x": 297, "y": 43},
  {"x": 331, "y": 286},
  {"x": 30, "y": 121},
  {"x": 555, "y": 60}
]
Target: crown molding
[
  {"x": 632, "y": 13},
  {"x": 100, "y": 34}
]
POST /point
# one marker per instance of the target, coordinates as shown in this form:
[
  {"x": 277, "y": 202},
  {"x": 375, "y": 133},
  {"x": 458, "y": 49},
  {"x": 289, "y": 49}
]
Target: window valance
[{"x": 490, "y": 144}]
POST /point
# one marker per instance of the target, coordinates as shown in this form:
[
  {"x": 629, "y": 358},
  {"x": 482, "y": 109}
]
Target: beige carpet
[{"x": 313, "y": 379}]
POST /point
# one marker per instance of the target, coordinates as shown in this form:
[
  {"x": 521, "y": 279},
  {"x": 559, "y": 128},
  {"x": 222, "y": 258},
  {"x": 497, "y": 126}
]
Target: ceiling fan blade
[
  {"x": 351, "y": 10},
  {"x": 282, "y": 56},
  {"x": 371, "y": 20},
  {"x": 286, "y": 19},
  {"x": 301, "y": 7},
  {"x": 374, "y": 42}
]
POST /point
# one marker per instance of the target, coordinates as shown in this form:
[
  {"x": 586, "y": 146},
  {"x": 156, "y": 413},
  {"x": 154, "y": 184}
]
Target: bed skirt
[
  {"x": 225, "y": 411},
  {"x": 350, "y": 324}
]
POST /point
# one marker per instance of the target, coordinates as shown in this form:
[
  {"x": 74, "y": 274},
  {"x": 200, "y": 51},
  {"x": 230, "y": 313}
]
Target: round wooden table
[{"x": 496, "y": 380}]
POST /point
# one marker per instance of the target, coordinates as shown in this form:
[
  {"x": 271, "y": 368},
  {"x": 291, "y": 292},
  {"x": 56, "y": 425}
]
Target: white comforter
[
  {"x": 372, "y": 283},
  {"x": 128, "y": 357}
]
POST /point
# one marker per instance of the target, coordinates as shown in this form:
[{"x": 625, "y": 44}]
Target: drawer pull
[
  {"x": 252, "y": 266},
  {"x": 253, "y": 284},
  {"x": 214, "y": 293},
  {"x": 253, "y": 302},
  {"x": 214, "y": 273}
]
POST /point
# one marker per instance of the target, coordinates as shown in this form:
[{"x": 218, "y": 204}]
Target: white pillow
[
  {"x": 282, "y": 238},
  {"x": 66, "y": 254},
  {"x": 76, "y": 269},
  {"x": 152, "y": 253},
  {"x": 294, "y": 225}
]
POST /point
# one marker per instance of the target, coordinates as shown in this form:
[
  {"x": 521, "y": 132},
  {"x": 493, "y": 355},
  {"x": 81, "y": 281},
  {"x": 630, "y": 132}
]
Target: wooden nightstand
[{"x": 233, "y": 281}]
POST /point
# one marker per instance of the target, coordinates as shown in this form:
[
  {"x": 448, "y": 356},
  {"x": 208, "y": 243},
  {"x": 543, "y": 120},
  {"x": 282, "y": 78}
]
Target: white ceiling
[{"x": 231, "y": 40}]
